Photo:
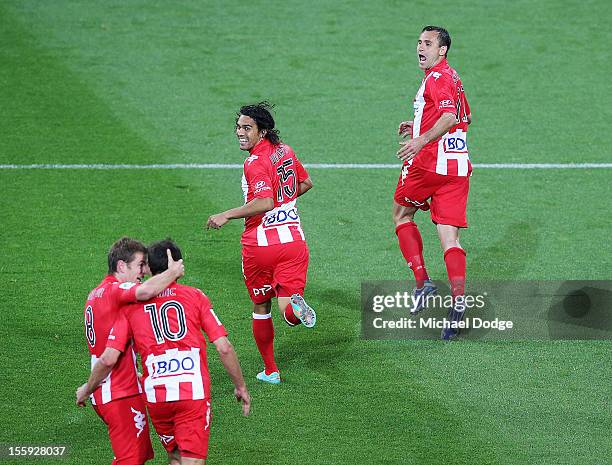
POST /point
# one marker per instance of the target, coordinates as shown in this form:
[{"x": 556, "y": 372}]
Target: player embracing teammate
[
  {"x": 436, "y": 171},
  {"x": 274, "y": 251}
]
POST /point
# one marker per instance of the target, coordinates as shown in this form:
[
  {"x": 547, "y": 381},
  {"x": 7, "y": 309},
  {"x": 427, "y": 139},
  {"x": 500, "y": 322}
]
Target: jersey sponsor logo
[
  {"x": 252, "y": 158},
  {"x": 455, "y": 143},
  {"x": 283, "y": 214},
  {"x": 164, "y": 366},
  {"x": 261, "y": 186},
  {"x": 261, "y": 290},
  {"x": 139, "y": 421},
  {"x": 436, "y": 75},
  {"x": 126, "y": 285}
]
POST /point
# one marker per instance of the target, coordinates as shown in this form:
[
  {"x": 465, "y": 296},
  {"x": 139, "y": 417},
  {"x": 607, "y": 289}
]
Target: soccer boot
[
  {"x": 272, "y": 378},
  {"x": 420, "y": 294},
  {"x": 302, "y": 311},
  {"x": 455, "y": 314}
]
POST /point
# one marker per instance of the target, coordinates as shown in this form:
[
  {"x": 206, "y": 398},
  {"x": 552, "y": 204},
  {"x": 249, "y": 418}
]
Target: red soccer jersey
[
  {"x": 442, "y": 91},
  {"x": 101, "y": 310},
  {"x": 167, "y": 334},
  {"x": 273, "y": 171}
]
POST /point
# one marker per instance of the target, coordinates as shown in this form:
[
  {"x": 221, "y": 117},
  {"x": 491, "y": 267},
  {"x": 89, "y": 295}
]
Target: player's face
[
  {"x": 429, "y": 52},
  {"x": 248, "y": 133},
  {"x": 136, "y": 268}
]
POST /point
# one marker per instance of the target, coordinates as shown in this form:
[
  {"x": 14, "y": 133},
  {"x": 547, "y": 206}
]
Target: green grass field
[{"x": 159, "y": 82}]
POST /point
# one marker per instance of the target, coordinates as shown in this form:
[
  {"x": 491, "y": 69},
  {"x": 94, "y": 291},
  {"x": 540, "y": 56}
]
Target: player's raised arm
[
  {"x": 228, "y": 357},
  {"x": 153, "y": 286}
]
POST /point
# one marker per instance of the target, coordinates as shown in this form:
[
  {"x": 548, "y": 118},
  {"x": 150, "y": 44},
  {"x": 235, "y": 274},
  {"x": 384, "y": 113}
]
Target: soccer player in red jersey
[
  {"x": 436, "y": 170},
  {"x": 118, "y": 401},
  {"x": 167, "y": 333},
  {"x": 274, "y": 251}
]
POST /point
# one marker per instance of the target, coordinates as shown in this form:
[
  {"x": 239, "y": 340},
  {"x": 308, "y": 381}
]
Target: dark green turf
[{"x": 149, "y": 82}]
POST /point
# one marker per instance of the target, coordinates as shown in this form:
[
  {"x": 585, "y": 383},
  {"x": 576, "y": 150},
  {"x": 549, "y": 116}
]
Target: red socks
[
  {"x": 290, "y": 317},
  {"x": 411, "y": 245},
  {"x": 455, "y": 267},
  {"x": 263, "y": 331}
]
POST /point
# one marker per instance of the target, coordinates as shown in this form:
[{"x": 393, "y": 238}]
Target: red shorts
[
  {"x": 128, "y": 429},
  {"x": 182, "y": 424},
  {"x": 275, "y": 270},
  {"x": 448, "y": 195}
]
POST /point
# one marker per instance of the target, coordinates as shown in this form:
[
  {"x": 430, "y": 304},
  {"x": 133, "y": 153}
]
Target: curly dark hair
[{"x": 262, "y": 115}]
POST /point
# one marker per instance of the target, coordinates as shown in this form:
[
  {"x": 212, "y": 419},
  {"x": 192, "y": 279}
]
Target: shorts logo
[
  {"x": 166, "y": 438},
  {"x": 139, "y": 421},
  {"x": 404, "y": 173},
  {"x": 207, "y": 416},
  {"x": 261, "y": 290},
  {"x": 446, "y": 104},
  {"x": 416, "y": 203}
]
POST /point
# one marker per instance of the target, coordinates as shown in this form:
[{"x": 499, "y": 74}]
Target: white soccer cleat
[{"x": 302, "y": 311}]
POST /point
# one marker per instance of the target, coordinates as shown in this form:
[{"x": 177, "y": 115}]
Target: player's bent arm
[
  {"x": 442, "y": 126},
  {"x": 228, "y": 357},
  {"x": 252, "y": 208},
  {"x": 153, "y": 286},
  {"x": 99, "y": 372},
  {"x": 305, "y": 186}
]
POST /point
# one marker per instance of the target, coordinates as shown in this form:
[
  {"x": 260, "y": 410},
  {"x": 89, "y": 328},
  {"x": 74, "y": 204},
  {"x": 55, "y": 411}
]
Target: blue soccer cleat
[
  {"x": 420, "y": 294},
  {"x": 302, "y": 311},
  {"x": 455, "y": 314},
  {"x": 272, "y": 378}
]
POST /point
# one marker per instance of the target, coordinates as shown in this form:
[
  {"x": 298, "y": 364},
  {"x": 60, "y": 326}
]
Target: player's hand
[
  {"x": 242, "y": 395},
  {"x": 178, "y": 268},
  {"x": 216, "y": 221},
  {"x": 405, "y": 129},
  {"x": 410, "y": 148},
  {"x": 82, "y": 395}
]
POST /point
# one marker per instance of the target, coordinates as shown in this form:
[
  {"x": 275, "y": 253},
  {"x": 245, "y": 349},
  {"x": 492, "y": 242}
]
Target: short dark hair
[
  {"x": 158, "y": 258},
  {"x": 261, "y": 113},
  {"x": 444, "y": 38},
  {"x": 124, "y": 249}
]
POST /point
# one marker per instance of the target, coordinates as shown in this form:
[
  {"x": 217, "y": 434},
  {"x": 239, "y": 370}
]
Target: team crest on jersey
[
  {"x": 126, "y": 285},
  {"x": 252, "y": 158}
]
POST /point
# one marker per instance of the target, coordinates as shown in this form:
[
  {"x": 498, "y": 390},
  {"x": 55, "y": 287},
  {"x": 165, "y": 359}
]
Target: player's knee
[
  {"x": 403, "y": 215},
  {"x": 262, "y": 308}
]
